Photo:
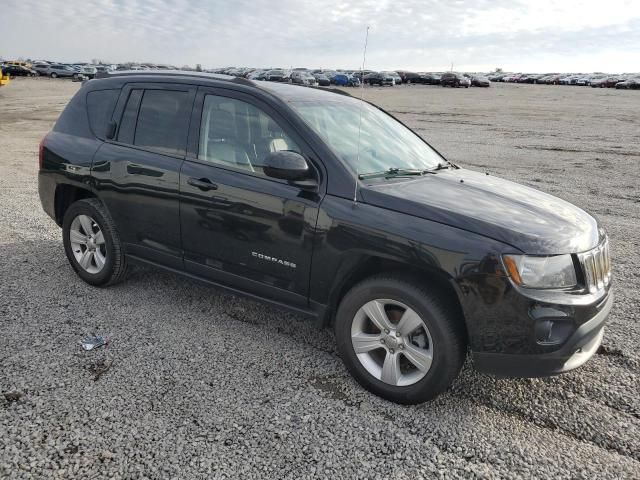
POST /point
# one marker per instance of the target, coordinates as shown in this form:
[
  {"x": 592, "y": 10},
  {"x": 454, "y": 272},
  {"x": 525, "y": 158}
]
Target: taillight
[{"x": 41, "y": 152}]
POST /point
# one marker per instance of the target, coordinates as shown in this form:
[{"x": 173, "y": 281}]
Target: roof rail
[{"x": 159, "y": 72}]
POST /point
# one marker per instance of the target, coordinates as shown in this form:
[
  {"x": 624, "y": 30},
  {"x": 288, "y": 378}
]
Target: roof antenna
[{"x": 364, "y": 59}]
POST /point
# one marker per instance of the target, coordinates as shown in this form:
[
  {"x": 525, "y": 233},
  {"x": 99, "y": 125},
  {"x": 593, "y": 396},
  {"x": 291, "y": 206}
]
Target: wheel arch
[
  {"x": 438, "y": 281},
  {"x": 65, "y": 196}
]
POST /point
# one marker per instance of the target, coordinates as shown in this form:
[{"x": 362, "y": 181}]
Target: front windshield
[{"x": 384, "y": 143}]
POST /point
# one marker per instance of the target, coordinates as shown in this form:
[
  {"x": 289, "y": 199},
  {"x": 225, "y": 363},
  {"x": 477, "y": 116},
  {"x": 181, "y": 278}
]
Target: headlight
[{"x": 541, "y": 272}]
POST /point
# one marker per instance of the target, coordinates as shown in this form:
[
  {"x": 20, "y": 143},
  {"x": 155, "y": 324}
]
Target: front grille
[{"x": 596, "y": 267}]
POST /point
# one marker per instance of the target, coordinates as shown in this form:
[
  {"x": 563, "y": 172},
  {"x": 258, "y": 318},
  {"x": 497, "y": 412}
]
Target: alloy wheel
[
  {"x": 392, "y": 342},
  {"x": 87, "y": 244}
]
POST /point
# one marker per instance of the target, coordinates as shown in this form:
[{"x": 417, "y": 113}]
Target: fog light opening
[{"x": 553, "y": 331}]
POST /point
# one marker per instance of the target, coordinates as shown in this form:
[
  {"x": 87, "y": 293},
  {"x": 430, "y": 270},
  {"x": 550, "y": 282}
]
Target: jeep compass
[{"x": 318, "y": 202}]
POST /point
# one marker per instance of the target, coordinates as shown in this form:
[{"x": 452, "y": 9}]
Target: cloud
[{"x": 571, "y": 35}]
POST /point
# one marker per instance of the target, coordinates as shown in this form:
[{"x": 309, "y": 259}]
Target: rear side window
[
  {"x": 100, "y": 105},
  {"x": 163, "y": 120}
]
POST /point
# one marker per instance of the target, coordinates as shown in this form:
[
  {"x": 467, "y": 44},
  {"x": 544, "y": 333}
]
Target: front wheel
[
  {"x": 400, "y": 340},
  {"x": 92, "y": 244},
  {"x": 54, "y": 75}
]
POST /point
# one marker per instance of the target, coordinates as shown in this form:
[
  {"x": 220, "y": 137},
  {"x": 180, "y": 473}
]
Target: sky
[{"x": 419, "y": 35}]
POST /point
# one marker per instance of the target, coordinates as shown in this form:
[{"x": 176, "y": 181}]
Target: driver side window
[{"x": 239, "y": 135}]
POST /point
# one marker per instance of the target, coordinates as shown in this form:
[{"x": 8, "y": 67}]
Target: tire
[
  {"x": 441, "y": 333},
  {"x": 54, "y": 75},
  {"x": 106, "y": 264}
]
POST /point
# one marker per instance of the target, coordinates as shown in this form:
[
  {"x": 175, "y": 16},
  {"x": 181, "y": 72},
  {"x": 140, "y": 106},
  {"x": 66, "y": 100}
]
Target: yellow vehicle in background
[{"x": 4, "y": 79}]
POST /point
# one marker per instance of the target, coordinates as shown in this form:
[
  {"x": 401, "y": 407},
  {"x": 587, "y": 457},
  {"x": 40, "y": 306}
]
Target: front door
[{"x": 240, "y": 227}]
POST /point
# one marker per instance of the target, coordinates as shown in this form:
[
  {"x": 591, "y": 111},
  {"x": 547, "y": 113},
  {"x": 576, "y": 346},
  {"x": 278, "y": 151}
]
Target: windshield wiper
[
  {"x": 443, "y": 166},
  {"x": 393, "y": 172}
]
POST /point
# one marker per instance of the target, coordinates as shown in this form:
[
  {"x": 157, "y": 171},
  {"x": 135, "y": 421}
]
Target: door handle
[{"x": 203, "y": 184}]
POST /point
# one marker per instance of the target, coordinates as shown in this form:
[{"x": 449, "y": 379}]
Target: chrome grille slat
[
  {"x": 607, "y": 264},
  {"x": 590, "y": 271},
  {"x": 601, "y": 272},
  {"x": 596, "y": 266}
]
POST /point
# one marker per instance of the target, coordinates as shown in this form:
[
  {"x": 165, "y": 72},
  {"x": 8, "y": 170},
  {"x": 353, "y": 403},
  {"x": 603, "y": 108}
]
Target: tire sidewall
[
  {"x": 444, "y": 355},
  {"x": 84, "y": 208}
]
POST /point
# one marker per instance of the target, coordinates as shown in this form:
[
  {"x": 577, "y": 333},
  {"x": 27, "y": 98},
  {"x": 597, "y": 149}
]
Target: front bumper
[{"x": 573, "y": 353}]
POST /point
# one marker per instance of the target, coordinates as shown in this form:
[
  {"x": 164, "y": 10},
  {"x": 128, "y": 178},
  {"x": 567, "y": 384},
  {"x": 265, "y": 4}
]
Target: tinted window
[
  {"x": 128, "y": 124},
  {"x": 237, "y": 134},
  {"x": 163, "y": 121},
  {"x": 74, "y": 119},
  {"x": 100, "y": 105}
]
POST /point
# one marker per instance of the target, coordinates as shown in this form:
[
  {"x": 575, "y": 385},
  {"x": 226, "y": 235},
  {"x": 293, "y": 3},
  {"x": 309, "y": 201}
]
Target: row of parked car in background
[
  {"x": 76, "y": 71},
  {"x": 328, "y": 77},
  {"x": 353, "y": 78},
  {"x": 629, "y": 81}
]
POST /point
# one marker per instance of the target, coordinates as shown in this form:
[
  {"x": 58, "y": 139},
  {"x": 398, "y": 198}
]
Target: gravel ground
[{"x": 201, "y": 384}]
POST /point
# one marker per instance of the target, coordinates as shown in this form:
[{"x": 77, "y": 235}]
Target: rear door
[
  {"x": 137, "y": 173},
  {"x": 240, "y": 227}
]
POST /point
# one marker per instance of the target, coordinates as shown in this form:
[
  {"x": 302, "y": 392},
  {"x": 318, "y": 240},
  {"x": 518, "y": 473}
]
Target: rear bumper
[
  {"x": 577, "y": 350},
  {"x": 47, "y": 191}
]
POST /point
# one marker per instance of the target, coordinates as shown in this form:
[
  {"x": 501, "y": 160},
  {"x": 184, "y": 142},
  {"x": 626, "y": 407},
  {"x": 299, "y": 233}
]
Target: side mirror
[{"x": 286, "y": 165}]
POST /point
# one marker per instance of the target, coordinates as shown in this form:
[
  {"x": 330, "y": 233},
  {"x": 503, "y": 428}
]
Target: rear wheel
[
  {"x": 54, "y": 75},
  {"x": 92, "y": 244},
  {"x": 399, "y": 340}
]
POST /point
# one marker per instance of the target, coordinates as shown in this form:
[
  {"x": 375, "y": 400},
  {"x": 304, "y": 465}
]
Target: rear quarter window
[
  {"x": 100, "y": 106},
  {"x": 74, "y": 120}
]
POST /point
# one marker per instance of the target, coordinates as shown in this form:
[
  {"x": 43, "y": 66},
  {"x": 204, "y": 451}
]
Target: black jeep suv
[{"x": 327, "y": 205}]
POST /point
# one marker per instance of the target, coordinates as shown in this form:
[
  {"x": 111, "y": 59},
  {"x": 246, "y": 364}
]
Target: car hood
[{"x": 525, "y": 218}]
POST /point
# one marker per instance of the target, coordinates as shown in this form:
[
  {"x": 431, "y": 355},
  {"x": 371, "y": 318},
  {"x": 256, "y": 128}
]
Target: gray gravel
[{"x": 203, "y": 384}]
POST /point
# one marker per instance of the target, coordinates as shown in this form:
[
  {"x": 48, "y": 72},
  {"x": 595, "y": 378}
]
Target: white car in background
[
  {"x": 88, "y": 71},
  {"x": 396, "y": 78}
]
